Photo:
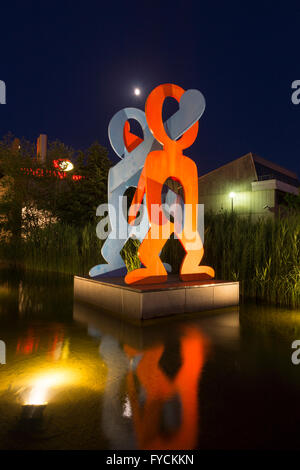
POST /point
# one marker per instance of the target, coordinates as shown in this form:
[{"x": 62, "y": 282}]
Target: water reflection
[
  {"x": 31, "y": 341},
  {"x": 129, "y": 386},
  {"x": 151, "y": 396},
  {"x": 35, "y": 295},
  {"x": 218, "y": 380},
  {"x": 165, "y": 403}
]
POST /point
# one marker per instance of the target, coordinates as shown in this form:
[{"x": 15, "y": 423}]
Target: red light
[{"x": 59, "y": 174}]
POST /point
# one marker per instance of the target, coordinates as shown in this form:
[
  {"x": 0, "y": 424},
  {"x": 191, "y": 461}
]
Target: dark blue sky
[{"x": 69, "y": 66}]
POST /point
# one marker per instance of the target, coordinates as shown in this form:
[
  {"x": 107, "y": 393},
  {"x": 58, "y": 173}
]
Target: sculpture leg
[
  {"x": 114, "y": 243},
  {"x": 154, "y": 272},
  {"x": 111, "y": 253},
  {"x": 190, "y": 269},
  {"x": 140, "y": 231},
  {"x": 189, "y": 237}
]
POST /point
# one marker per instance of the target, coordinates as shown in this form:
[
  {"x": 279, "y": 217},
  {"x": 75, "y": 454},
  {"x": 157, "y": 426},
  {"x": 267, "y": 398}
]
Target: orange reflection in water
[
  {"x": 29, "y": 344},
  {"x": 32, "y": 342},
  {"x": 161, "y": 389}
]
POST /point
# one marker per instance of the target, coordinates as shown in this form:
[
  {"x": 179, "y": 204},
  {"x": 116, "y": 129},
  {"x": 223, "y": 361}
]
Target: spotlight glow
[
  {"x": 232, "y": 195},
  {"x": 37, "y": 396},
  {"x": 44, "y": 383}
]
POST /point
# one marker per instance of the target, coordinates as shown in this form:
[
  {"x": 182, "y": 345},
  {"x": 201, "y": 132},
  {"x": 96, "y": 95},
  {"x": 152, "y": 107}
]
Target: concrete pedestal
[{"x": 155, "y": 300}]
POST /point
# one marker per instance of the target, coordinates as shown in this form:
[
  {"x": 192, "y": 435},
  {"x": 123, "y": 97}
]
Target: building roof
[
  {"x": 267, "y": 171},
  {"x": 263, "y": 170}
]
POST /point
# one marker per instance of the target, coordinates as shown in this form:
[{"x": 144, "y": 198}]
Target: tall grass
[
  {"x": 57, "y": 248},
  {"x": 264, "y": 255}
]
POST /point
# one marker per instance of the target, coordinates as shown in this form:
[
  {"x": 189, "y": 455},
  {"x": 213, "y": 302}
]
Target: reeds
[
  {"x": 56, "y": 247},
  {"x": 264, "y": 255}
]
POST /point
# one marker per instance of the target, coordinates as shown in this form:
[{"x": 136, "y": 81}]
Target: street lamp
[{"x": 232, "y": 196}]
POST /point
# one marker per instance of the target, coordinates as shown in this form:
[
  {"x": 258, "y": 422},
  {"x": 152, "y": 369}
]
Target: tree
[
  {"x": 77, "y": 200},
  {"x": 16, "y": 158},
  {"x": 292, "y": 201},
  {"x": 33, "y": 193}
]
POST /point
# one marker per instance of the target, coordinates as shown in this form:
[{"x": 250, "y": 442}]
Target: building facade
[{"x": 247, "y": 185}]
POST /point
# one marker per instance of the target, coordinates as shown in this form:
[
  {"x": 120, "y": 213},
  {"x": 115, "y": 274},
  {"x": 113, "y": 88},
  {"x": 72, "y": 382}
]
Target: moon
[{"x": 137, "y": 92}]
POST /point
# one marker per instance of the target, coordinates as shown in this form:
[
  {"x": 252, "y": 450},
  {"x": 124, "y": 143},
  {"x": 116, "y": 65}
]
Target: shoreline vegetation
[{"x": 264, "y": 255}]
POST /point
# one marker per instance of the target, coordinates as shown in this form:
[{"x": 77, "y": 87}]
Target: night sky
[{"x": 69, "y": 66}]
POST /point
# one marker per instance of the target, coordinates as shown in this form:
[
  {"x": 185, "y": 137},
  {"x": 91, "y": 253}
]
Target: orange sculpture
[
  {"x": 131, "y": 140},
  {"x": 159, "y": 166}
]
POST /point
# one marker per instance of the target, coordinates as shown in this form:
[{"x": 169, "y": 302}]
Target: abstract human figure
[
  {"x": 164, "y": 402},
  {"x": 133, "y": 151},
  {"x": 159, "y": 166}
]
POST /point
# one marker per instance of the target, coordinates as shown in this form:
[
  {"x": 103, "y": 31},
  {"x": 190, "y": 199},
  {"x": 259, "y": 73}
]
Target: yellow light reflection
[
  {"x": 44, "y": 376},
  {"x": 44, "y": 384},
  {"x": 37, "y": 396}
]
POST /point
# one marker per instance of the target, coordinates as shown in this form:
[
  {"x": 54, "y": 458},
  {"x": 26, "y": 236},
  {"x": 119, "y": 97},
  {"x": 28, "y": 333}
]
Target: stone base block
[{"x": 155, "y": 300}]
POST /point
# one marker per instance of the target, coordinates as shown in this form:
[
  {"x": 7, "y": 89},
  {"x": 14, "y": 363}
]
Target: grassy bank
[{"x": 263, "y": 255}]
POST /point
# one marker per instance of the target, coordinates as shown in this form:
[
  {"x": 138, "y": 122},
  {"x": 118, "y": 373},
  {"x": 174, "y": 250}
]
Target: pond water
[{"x": 218, "y": 380}]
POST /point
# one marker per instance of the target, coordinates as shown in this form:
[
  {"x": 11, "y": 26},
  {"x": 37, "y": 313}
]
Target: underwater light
[
  {"x": 36, "y": 402},
  {"x": 33, "y": 411},
  {"x": 37, "y": 396}
]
